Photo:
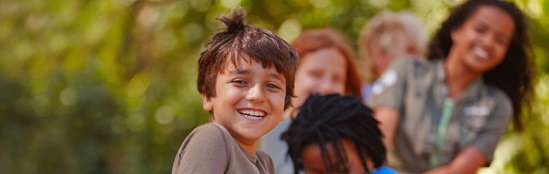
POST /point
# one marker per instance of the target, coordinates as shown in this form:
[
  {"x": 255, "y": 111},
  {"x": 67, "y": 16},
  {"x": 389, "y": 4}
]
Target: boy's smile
[
  {"x": 249, "y": 101},
  {"x": 252, "y": 114}
]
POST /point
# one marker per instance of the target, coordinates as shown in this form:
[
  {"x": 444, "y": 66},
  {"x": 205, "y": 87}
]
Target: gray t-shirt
[
  {"x": 417, "y": 89},
  {"x": 277, "y": 149},
  {"x": 210, "y": 149}
]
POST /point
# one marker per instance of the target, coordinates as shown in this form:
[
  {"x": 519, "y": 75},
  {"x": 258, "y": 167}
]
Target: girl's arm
[
  {"x": 481, "y": 151},
  {"x": 469, "y": 160},
  {"x": 388, "y": 121}
]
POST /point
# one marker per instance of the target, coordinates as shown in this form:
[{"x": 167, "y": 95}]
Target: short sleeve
[
  {"x": 265, "y": 162},
  {"x": 495, "y": 127},
  {"x": 276, "y": 148},
  {"x": 203, "y": 151},
  {"x": 389, "y": 89}
]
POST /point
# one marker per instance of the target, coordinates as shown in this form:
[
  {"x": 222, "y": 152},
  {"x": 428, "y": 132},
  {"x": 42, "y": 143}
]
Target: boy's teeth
[
  {"x": 480, "y": 52},
  {"x": 252, "y": 113},
  {"x": 252, "y": 117}
]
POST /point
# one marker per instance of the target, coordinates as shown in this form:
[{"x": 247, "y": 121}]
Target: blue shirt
[{"x": 384, "y": 170}]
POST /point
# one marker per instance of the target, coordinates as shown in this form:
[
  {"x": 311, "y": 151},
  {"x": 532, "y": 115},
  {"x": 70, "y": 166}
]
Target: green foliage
[{"x": 109, "y": 86}]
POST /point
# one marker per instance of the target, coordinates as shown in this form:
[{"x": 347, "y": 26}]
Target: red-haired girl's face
[{"x": 323, "y": 71}]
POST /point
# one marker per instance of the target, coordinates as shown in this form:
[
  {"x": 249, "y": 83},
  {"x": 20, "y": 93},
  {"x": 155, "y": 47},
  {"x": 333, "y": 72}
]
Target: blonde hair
[{"x": 381, "y": 31}]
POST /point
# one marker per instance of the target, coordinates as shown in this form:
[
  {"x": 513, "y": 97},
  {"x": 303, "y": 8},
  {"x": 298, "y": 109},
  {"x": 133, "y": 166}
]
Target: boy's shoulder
[
  {"x": 262, "y": 156},
  {"x": 208, "y": 136},
  {"x": 210, "y": 131},
  {"x": 267, "y": 164},
  {"x": 204, "y": 149},
  {"x": 210, "y": 126}
]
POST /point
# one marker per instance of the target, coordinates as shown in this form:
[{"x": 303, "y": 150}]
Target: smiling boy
[{"x": 245, "y": 77}]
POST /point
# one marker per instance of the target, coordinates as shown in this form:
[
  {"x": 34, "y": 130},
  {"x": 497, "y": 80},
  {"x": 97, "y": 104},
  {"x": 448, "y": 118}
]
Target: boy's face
[
  {"x": 249, "y": 100},
  {"x": 313, "y": 164}
]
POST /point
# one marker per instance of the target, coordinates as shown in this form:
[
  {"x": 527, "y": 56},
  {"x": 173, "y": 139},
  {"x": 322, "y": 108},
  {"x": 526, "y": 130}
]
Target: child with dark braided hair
[{"x": 335, "y": 134}]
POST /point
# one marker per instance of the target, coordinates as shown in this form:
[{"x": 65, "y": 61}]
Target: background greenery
[{"x": 108, "y": 86}]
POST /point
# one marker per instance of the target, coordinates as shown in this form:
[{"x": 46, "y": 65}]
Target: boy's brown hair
[{"x": 238, "y": 42}]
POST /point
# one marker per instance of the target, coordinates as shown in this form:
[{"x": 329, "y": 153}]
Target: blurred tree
[{"x": 109, "y": 86}]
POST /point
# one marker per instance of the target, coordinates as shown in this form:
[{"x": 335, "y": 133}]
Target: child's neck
[
  {"x": 458, "y": 77},
  {"x": 248, "y": 147}
]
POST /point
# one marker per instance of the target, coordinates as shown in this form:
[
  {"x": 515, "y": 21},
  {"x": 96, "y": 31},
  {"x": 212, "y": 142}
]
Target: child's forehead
[
  {"x": 343, "y": 141},
  {"x": 240, "y": 62}
]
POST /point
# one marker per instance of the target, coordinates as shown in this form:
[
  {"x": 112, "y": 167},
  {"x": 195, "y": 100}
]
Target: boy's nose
[{"x": 255, "y": 94}]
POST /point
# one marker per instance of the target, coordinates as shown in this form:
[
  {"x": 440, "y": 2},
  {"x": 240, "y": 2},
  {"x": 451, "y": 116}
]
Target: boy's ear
[{"x": 207, "y": 103}]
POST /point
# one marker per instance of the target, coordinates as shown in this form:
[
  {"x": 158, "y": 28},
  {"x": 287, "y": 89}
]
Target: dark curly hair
[
  {"x": 515, "y": 74},
  {"x": 329, "y": 119},
  {"x": 238, "y": 42}
]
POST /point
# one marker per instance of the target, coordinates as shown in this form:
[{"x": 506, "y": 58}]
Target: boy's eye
[
  {"x": 270, "y": 85},
  {"x": 239, "y": 81}
]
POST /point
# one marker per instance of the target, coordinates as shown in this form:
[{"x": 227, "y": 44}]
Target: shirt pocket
[
  {"x": 476, "y": 116},
  {"x": 474, "y": 121}
]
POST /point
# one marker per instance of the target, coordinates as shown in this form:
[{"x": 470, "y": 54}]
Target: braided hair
[{"x": 326, "y": 120}]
